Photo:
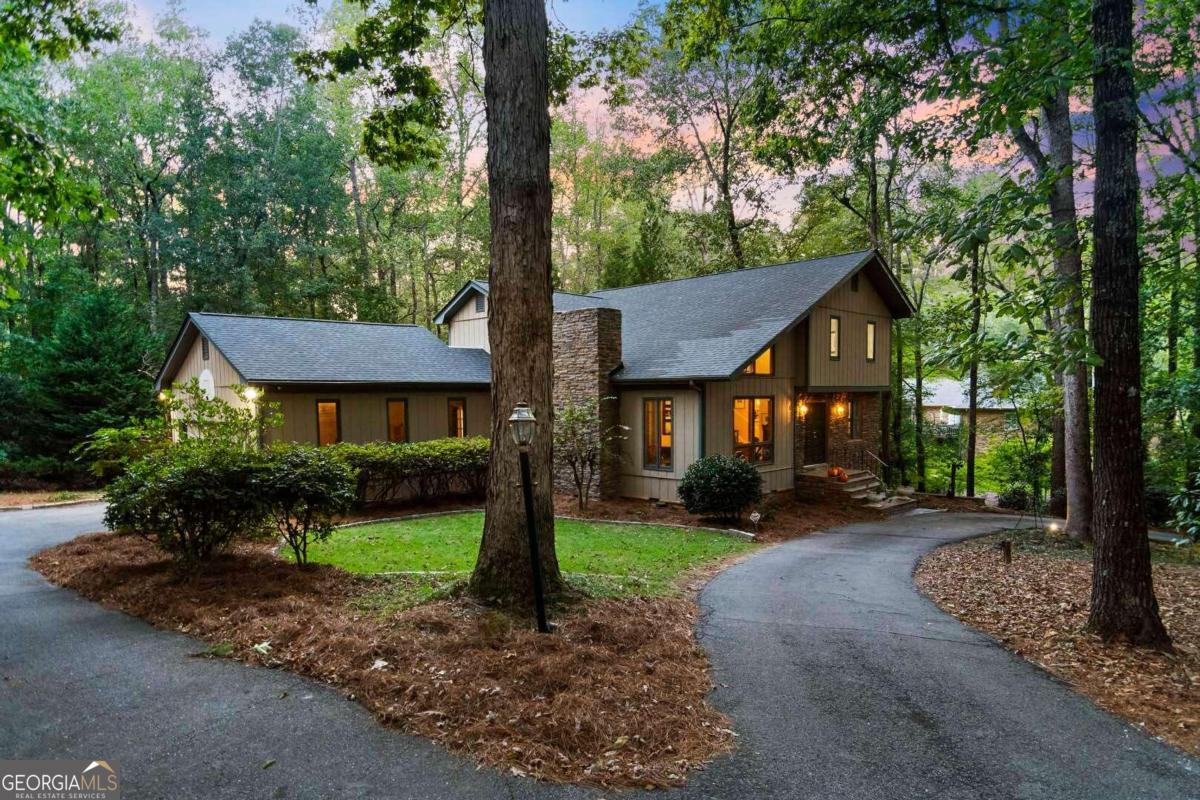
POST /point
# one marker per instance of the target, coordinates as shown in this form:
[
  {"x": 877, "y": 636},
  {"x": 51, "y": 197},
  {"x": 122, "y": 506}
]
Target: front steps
[{"x": 861, "y": 486}]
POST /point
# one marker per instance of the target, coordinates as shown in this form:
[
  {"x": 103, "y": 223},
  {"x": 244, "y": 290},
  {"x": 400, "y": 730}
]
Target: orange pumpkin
[
  {"x": 843, "y": 477},
  {"x": 833, "y": 472}
]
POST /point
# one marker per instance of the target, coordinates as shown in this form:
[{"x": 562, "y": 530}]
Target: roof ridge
[
  {"x": 735, "y": 270},
  {"x": 306, "y": 319}
]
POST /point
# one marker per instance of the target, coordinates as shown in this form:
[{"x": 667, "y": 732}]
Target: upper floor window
[
  {"x": 658, "y": 432},
  {"x": 480, "y": 303},
  {"x": 204, "y": 348},
  {"x": 754, "y": 429},
  {"x": 397, "y": 420},
  {"x": 457, "y": 408},
  {"x": 835, "y": 338},
  {"x": 763, "y": 363},
  {"x": 870, "y": 340},
  {"x": 329, "y": 422}
]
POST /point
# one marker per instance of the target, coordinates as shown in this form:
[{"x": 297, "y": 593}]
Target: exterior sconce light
[
  {"x": 252, "y": 393},
  {"x": 522, "y": 424},
  {"x": 839, "y": 409},
  {"x": 162, "y": 397},
  {"x": 803, "y": 409}
]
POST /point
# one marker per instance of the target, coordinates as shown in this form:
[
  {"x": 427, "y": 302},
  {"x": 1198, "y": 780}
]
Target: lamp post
[{"x": 522, "y": 425}]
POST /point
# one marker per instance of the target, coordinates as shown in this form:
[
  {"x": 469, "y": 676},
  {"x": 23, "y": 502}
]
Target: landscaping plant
[
  {"x": 580, "y": 443},
  {"x": 391, "y": 471},
  {"x": 720, "y": 486},
  {"x": 303, "y": 488}
]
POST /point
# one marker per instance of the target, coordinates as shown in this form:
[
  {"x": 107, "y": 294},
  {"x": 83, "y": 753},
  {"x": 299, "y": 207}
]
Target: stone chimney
[{"x": 587, "y": 348}]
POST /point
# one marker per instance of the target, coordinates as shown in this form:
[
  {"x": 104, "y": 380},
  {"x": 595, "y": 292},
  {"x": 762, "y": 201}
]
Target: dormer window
[
  {"x": 480, "y": 304},
  {"x": 763, "y": 363}
]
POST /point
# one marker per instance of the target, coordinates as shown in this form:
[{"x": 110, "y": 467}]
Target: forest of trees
[{"x": 252, "y": 177}]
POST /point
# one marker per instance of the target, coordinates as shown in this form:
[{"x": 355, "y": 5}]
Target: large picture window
[
  {"x": 754, "y": 429},
  {"x": 870, "y": 340},
  {"x": 397, "y": 420},
  {"x": 763, "y": 363},
  {"x": 457, "y": 409},
  {"x": 835, "y": 338},
  {"x": 658, "y": 433},
  {"x": 329, "y": 422}
]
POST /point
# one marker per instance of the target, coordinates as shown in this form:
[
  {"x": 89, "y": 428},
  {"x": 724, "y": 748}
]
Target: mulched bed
[
  {"x": 1038, "y": 605},
  {"x": 615, "y": 698}
]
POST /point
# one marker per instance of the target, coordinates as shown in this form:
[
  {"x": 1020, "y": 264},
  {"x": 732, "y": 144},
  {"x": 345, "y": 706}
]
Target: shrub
[
  {"x": 1016, "y": 497},
  {"x": 303, "y": 488},
  {"x": 192, "y": 499},
  {"x": 388, "y": 471},
  {"x": 721, "y": 486},
  {"x": 1186, "y": 505},
  {"x": 581, "y": 440}
]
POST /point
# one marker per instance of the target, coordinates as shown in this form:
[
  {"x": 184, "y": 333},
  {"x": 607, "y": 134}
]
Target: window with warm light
[
  {"x": 753, "y": 429},
  {"x": 870, "y": 340},
  {"x": 658, "y": 432},
  {"x": 457, "y": 407},
  {"x": 329, "y": 422},
  {"x": 763, "y": 363},
  {"x": 397, "y": 420},
  {"x": 835, "y": 338}
]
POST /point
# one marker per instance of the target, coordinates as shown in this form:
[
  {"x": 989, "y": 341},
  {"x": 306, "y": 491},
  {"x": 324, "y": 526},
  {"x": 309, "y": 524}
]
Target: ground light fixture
[{"x": 522, "y": 424}]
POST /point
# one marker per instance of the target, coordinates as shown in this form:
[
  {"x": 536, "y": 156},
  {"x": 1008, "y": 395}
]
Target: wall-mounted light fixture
[
  {"x": 803, "y": 409},
  {"x": 839, "y": 409}
]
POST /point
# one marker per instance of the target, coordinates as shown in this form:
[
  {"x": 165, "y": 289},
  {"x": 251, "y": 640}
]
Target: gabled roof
[
  {"x": 288, "y": 350},
  {"x": 563, "y": 301}
]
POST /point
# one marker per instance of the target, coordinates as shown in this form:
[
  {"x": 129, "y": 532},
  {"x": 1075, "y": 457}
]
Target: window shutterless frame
[
  {"x": 456, "y": 414},
  {"x": 337, "y": 416},
  {"x": 387, "y": 417},
  {"x": 755, "y": 451},
  {"x": 872, "y": 328},
  {"x": 658, "y": 421},
  {"x": 204, "y": 348},
  {"x": 763, "y": 363},
  {"x": 835, "y": 338}
]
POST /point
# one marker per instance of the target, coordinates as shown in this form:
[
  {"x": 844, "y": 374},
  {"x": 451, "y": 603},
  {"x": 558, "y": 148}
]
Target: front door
[{"x": 814, "y": 434}]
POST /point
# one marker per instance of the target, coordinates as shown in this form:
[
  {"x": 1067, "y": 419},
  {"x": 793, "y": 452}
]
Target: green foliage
[
  {"x": 393, "y": 471},
  {"x": 1017, "y": 497},
  {"x": 192, "y": 500},
  {"x": 1186, "y": 505},
  {"x": 303, "y": 488},
  {"x": 110, "y": 451},
  {"x": 720, "y": 486},
  {"x": 581, "y": 441}
]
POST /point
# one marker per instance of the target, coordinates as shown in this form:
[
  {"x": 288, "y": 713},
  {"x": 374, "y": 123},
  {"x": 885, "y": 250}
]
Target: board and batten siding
[
  {"x": 225, "y": 376},
  {"x": 636, "y": 479},
  {"x": 468, "y": 327},
  {"x": 854, "y": 309},
  {"x": 364, "y": 414}
]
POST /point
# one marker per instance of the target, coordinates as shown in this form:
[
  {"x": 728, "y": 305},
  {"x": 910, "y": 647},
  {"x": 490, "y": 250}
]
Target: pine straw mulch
[
  {"x": 1037, "y": 606},
  {"x": 615, "y": 698}
]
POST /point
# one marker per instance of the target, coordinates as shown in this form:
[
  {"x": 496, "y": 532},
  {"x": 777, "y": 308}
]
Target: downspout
[{"x": 700, "y": 390}]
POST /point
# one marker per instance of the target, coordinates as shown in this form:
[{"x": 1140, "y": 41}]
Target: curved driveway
[{"x": 843, "y": 682}]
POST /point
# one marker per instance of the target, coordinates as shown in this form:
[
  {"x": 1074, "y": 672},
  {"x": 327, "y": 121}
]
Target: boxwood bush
[
  {"x": 388, "y": 472},
  {"x": 720, "y": 486}
]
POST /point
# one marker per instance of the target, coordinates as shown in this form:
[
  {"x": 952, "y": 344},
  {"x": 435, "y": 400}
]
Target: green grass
[{"x": 600, "y": 559}]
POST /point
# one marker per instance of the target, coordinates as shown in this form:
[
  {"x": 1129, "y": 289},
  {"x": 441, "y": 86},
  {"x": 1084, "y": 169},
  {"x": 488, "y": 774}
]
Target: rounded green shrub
[{"x": 720, "y": 486}]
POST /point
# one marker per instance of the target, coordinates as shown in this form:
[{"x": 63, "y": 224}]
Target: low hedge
[
  {"x": 389, "y": 472},
  {"x": 720, "y": 486}
]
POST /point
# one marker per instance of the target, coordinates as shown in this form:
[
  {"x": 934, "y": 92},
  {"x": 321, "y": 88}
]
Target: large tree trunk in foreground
[
  {"x": 1123, "y": 602},
  {"x": 520, "y": 322},
  {"x": 1068, "y": 265},
  {"x": 973, "y": 371}
]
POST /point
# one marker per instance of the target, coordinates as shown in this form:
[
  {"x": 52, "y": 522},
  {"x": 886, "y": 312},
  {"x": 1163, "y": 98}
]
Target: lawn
[{"x": 601, "y": 558}]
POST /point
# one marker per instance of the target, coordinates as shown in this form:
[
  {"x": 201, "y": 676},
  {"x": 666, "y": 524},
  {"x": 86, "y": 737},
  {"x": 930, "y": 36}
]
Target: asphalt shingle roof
[
  {"x": 284, "y": 350},
  {"x": 710, "y": 326}
]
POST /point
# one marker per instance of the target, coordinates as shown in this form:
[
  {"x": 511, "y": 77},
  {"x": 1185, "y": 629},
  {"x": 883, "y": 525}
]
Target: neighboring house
[
  {"x": 946, "y": 402},
  {"x": 337, "y": 381},
  {"x": 785, "y": 366}
]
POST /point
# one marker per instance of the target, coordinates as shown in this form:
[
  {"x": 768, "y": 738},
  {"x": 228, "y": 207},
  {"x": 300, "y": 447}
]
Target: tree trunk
[
  {"x": 919, "y": 400},
  {"x": 364, "y": 257},
  {"x": 901, "y": 469},
  {"x": 1123, "y": 602},
  {"x": 973, "y": 371},
  {"x": 1057, "y": 507},
  {"x": 520, "y": 322},
  {"x": 1068, "y": 266}
]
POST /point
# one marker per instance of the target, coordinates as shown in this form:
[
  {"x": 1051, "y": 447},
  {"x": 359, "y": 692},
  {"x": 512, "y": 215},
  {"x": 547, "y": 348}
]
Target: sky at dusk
[{"x": 221, "y": 18}]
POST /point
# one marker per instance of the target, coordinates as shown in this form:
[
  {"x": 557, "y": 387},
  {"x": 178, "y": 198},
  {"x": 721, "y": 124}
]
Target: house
[
  {"x": 946, "y": 402},
  {"x": 785, "y": 366}
]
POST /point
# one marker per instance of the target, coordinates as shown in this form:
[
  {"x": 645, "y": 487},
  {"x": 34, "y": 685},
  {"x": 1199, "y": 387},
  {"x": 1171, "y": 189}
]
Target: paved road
[{"x": 842, "y": 681}]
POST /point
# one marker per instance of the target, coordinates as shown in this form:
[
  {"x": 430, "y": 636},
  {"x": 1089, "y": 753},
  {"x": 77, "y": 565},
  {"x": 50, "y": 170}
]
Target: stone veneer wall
[
  {"x": 840, "y": 449},
  {"x": 587, "y": 348}
]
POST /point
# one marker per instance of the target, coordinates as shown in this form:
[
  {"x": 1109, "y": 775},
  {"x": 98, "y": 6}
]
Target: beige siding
[
  {"x": 854, "y": 309},
  {"x": 364, "y": 414},
  {"x": 636, "y": 480},
  {"x": 225, "y": 377},
  {"x": 468, "y": 327},
  {"x": 719, "y": 423}
]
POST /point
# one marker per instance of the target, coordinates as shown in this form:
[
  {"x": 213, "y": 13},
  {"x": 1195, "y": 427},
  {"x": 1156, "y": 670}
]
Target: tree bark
[
  {"x": 1123, "y": 602},
  {"x": 520, "y": 322},
  {"x": 1057, "y": 507},
  {"x": 973, "y": 371}
]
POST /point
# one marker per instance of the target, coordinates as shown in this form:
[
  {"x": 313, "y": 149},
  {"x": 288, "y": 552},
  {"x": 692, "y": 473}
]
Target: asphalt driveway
[{"x": 842, "y": 682}]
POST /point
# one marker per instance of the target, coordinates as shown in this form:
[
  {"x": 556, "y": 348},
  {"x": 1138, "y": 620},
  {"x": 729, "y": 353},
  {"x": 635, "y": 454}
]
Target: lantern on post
[{"x": 522, "y": 424}]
